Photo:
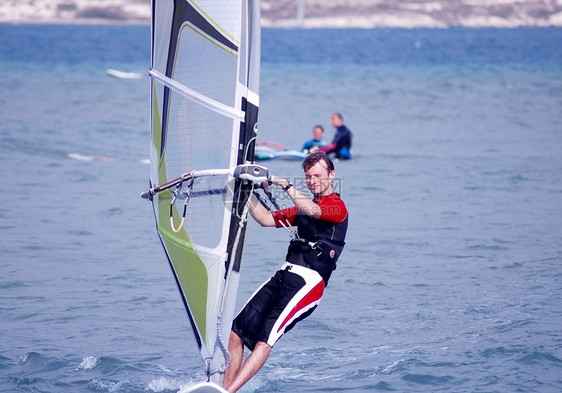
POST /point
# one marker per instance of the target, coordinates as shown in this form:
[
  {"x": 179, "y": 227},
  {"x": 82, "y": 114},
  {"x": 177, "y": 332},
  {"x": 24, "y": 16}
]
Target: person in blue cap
[{"x": 316, "y": 141}]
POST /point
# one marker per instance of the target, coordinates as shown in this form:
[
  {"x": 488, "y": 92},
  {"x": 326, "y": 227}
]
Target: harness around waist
[{"x": 319, "y": 255}]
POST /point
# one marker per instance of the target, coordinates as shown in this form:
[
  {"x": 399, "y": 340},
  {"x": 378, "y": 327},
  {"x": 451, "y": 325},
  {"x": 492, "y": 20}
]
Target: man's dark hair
[{"x": 315, "y": 157}]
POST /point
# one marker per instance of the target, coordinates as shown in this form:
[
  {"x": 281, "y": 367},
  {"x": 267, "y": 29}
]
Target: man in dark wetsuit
[
  {"x": 297, "y": 287},
  {"x": 341, "y": 144}
]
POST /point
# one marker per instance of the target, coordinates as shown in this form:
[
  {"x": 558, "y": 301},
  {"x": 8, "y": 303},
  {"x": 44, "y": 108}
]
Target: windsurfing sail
[{"x": 204, "y": 106}]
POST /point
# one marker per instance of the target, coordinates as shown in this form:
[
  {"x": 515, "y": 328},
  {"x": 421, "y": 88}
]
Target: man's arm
[
  {"x": 301, "y": 201},
  {"x": 328, "y": 148},
  {"x": 260, "y": 213}
]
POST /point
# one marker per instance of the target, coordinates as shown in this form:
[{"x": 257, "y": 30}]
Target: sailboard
[
  {"x": 204, "y": 108},
  {"x": 272, "y": 150}
]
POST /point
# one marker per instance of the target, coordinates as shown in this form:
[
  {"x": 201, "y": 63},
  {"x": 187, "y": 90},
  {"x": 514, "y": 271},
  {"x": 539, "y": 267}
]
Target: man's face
[
  {"x": 317, "y": 133},
  {"x": 319, "y": 179},
  {"x": 336, "y": 121}
]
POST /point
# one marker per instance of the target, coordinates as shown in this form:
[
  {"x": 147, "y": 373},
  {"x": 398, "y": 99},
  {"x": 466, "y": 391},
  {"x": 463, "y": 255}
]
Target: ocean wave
[
  {"x": 123, "y": 386},
  {"x": 104, "y": 364},
  {"x": 427, "y": 379},
  {"x": 395, "y": 367},
  {"x": 537, "y": 357},
  {"x": 508, "y": 326},
  {"x": 37, "y": 364},
  {"x": 498, "y": 352}
]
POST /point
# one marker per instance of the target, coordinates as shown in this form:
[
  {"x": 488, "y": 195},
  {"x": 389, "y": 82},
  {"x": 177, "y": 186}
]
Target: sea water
[{"x": 451, "y": 279}]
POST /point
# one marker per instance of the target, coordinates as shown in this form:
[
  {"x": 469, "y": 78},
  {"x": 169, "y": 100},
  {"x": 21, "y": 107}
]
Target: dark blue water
[
  {"x": 69, "y": 44},
  {"x": 451, "y": 278}
]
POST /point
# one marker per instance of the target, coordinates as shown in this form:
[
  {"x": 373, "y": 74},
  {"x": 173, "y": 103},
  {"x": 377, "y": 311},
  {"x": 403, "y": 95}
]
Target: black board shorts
[{"x": 289, "y": 296}]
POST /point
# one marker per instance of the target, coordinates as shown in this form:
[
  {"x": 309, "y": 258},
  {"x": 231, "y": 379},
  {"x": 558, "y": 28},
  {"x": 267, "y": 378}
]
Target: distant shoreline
[
  {"x": 307, "y": 14},
  {"x": 265, "y": 24}
]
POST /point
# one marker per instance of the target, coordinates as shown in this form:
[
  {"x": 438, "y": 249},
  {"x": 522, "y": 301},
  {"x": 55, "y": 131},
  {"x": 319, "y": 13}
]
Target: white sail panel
[{"x": 162, "y": 16}]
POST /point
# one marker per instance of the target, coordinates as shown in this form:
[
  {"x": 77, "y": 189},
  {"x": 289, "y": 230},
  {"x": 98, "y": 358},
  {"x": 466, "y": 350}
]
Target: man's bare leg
[
  {"x": 251, "y": 366},
  {"x": 236, "y": 350}
]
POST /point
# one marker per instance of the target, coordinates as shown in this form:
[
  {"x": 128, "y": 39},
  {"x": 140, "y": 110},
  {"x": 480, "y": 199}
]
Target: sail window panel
[
  {"x": 198, "y": 138},
  {"x": 225, "y": 15},
  {"x": 209, "y": 69},
  {"x": 206, "y": 212}
]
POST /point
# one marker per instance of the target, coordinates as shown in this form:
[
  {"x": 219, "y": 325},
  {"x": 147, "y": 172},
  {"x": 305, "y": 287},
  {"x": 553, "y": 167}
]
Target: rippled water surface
[{"x": 451, "y": 278}]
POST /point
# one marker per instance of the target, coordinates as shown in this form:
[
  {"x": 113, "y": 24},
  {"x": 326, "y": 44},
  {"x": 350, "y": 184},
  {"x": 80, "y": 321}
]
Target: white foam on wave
[
  {"x": 393, "y": 367},
  {"x": 88, "y": 363},
  {"x": 125, "y": 385},
  {"x": 24, "y": 358},
  {"x": 163, "y": 384},
  {"x": 98, "y": 384}
]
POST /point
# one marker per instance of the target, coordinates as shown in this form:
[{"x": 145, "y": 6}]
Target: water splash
[{"x": 88, "y": 363}]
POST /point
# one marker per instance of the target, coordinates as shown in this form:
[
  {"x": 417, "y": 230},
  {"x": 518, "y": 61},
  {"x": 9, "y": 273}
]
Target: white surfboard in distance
[{"x": 124, "y": 74}]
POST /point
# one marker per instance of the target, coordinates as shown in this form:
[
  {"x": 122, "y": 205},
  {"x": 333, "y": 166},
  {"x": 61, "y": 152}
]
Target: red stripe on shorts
[{"x": 314, "y": 295}]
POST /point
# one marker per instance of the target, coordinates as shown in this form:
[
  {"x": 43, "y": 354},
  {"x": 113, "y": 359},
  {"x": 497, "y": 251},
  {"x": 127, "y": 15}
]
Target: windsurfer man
[
  {"x": 296, "y": 288},
  {"x": 341, "y": 144}
]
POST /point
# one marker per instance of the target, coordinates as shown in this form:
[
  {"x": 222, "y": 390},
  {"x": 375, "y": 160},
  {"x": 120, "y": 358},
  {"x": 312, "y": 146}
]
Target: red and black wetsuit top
[{"x": 321, "y": 240}]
